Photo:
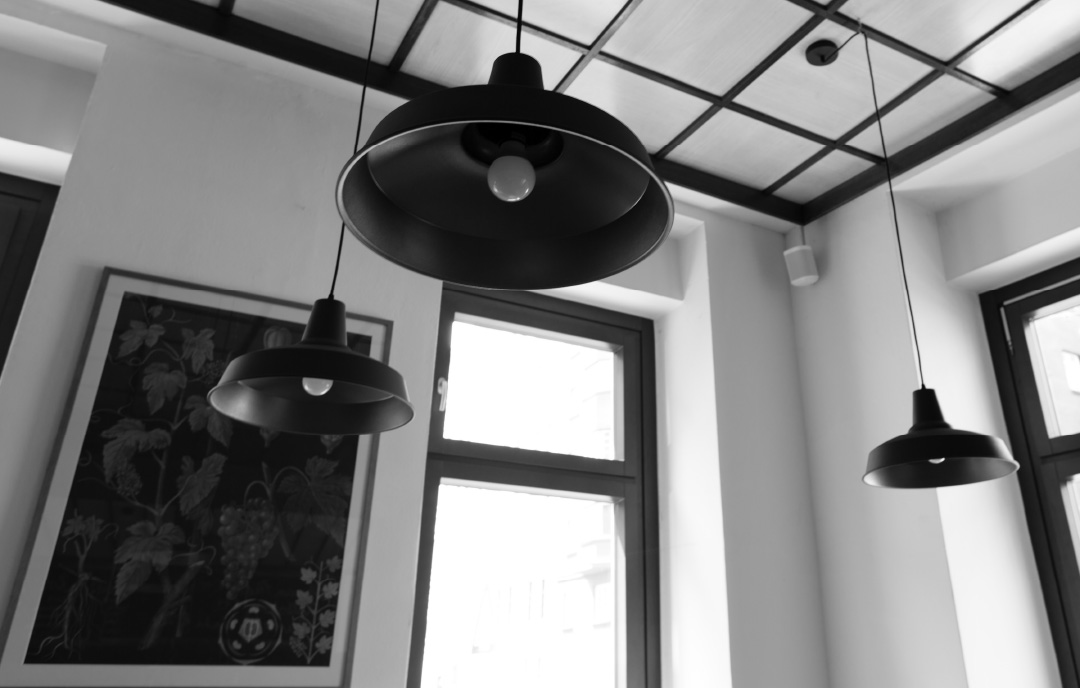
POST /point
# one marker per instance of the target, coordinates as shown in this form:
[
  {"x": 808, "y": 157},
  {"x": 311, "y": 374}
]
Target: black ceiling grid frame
[
  {"x": 906, "y": 95},
  {"x": 222, "y": 23}
]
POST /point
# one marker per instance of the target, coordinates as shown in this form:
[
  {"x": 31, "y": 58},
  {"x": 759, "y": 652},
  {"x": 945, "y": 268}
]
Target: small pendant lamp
[
  {"x": 319, "y": 386},
  {"x": 505, "y": 186},
  {"x": 932, "y": 453}
]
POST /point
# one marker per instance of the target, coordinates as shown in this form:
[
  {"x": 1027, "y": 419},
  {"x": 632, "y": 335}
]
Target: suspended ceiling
[{"x": 719, "y": 91}]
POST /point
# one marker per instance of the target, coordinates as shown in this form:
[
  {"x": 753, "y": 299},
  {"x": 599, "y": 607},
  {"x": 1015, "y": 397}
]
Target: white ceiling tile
[
  {"x": 338, "y": 24},
  {"x": 579, "y": 21},
  {"x": 940, "y": 103},
  {"x": 1037, "y": 42},
  {"x": 710, "y": 44},
  {"x": 743, "y": 150},
  {"x": 941, "y": 28},
  {"x": 656, "y": 113},
  {"x": 830, "y": 99},
  {"x": 457, "y": 48},
  {"x": 833, "y": 169}
]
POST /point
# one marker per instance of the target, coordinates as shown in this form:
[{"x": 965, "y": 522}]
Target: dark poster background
[{"x": 188, "y": 538}]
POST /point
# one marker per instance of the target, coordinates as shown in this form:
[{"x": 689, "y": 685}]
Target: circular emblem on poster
[{"x": 250, "y": 631}]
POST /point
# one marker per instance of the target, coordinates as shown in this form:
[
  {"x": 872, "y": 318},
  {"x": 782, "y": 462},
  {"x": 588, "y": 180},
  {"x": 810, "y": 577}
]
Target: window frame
[
  {"x": 34, "y": 202},
  {"x": 631, "y": 481},
  {"x": 1044, "y": 460}
]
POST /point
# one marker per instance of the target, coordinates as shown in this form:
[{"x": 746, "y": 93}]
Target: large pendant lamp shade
[
  {"x": 423, "y": 191},
  {"x": 319, "y": 386},
  {"x": 933, "y": 454}
]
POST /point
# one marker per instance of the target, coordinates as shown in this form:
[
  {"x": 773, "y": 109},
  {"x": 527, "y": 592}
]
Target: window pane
[
  {"x": 519, "y": 390},
  {"x": 1057, "y": 368},
  {"x": 525, "y": 592}
]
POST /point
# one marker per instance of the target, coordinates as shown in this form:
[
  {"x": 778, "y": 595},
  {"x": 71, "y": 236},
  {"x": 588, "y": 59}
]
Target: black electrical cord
[
  {"x": 521, "y": 13},
  {"x": 896, "y": 221},
  {"x": 356, "y": 141}
]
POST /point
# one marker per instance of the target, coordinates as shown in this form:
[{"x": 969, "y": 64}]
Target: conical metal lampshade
[
  {"x": 417, "y": 193},
  {"x": 266, "y": 388},
  {"x": 933, "y": 454}
]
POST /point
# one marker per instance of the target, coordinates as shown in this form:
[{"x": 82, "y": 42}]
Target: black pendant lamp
[
  {"x": 319, "y": 386},
  {"x": 505, "y": 186},
  {"x": 932, "y": 453}
]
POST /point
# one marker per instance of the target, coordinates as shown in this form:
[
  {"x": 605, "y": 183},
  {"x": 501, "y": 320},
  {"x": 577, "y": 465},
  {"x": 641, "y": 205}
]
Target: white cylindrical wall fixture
[{"x": 801, "y": 268}]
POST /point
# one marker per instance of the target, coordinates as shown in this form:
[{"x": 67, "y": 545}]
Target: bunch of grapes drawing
[{"x": 188, "y": 539}]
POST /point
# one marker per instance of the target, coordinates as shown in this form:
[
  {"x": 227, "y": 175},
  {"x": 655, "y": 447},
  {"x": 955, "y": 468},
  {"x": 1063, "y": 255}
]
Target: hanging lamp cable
[
  {"x": 896, "y": 221},
  {"x": 521, "y": 13},
  {"x": 356, "y": 140}
]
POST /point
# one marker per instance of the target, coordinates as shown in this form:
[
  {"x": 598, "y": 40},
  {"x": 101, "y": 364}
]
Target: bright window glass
[
  {"x": 524, "y": 592},
  {"x": 519, "y": 389},
  {"x": 1056, "y": 339}
]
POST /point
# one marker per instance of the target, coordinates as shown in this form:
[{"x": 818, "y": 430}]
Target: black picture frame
[{"x": 227, "y": 525}]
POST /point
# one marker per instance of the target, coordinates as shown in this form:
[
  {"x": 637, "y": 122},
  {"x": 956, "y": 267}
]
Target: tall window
[
  {"x": 538, "y": 554},
  {"x": 25, "y": 209},
  {"x": 1034, "y": 330}
]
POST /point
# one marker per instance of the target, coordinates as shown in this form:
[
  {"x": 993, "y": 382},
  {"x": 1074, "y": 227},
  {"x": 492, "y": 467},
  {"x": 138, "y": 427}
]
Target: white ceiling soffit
[{"x": 1028, "y": 140}]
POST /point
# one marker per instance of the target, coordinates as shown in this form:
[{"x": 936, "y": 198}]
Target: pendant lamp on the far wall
[{"x": 931, "y": 453}]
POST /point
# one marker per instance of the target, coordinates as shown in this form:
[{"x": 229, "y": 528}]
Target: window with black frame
[
  {"x": 538, "y": 556},
  {"x": 1034, "y": 331}
]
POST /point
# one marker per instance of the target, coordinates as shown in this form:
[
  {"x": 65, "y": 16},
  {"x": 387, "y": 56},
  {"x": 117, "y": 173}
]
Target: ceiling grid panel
[
  {"x": 407, "y": 43},
  {"x": 598, "y": 45},
  {"x": 777, "y": 53}
]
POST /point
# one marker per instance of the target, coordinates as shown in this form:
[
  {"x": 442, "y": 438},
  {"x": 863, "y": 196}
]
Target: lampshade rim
[{"x": 370, "y": 146}]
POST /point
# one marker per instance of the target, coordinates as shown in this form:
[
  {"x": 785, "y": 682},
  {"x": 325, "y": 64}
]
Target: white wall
[
  {"x": 999, "y": 605},
  {"x": 43, "y": 101},
  {"x": 696, "y": 640},
  {"x": 740, "y": 568},
  {"x": 194, "y": 168},
  {"x": 889, "y": 610},
  {"x": 922, "y": 588},
  {"x": 1016, "y": 229}
]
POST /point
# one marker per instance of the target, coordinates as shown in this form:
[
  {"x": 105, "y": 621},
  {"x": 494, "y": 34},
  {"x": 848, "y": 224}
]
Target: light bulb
[
  {"x": 936, "y": 461},
  {"x": 316, "y": 386},
  {"x": 511, "y": 177}
]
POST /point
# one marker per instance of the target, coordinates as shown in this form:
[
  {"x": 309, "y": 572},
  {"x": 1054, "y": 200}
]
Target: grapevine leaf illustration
[
  {"x": 131, "y": 577},
  {"x": 138, "y": 335},
  {"x": 196, "y": 486},
  {"x": 205, "y": 417},
  {"x": 320, "y": 498},
  {"x": 331, "y": 442},
  {"x": 155, "y": 311},
  {"x": 323, "y": 644},
  {"x": 127, "y": 438},
  {"x": 160, "y": 384},
  {"x": 198, "y": 347},
  {"x": 146, "y": 547},
  {"x": 268, "y": 435}
]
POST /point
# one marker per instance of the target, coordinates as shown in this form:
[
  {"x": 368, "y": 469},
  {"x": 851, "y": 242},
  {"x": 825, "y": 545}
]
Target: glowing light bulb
[
  {"x": 936, "y": 461},
  {"x": 511, "y": 177},
  {"x": 316, "y": 386}
]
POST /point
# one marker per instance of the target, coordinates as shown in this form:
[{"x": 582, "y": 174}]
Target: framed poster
[{"x": 173, "y": 546}]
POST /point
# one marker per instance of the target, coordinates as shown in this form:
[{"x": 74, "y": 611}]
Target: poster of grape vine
[{"x": 175, "y": 546}]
